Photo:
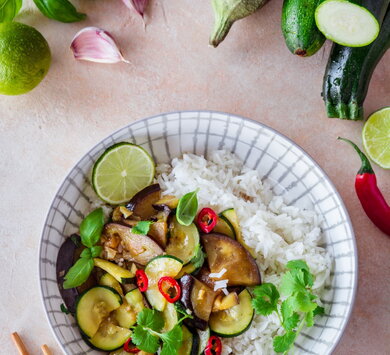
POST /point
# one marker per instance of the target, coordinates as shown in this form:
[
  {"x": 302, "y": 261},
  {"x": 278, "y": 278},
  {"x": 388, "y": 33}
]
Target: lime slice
[
  {"x": 376, "y": 137},
  {"x": 121, "y": 171}
]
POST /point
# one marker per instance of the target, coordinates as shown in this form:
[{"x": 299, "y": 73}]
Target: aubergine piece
[
  {"x": 138, "y": 248},
  {"x": 199, "y": 299},
  {"x": 142, "y": 203},
  {"x": 158, "y": 231},
  {"x": 225, "y": 253},
  {"x": 65, "y": 260}
]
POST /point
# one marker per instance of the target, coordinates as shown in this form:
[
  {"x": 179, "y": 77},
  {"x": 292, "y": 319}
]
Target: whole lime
[{"x": 24, "y": 58}]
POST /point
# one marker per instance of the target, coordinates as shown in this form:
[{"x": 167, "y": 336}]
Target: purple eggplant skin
[
  {"x": 142, "y": 202},
  {"x": 65, "y": 260},
  {"x": 186, "y": 284}
]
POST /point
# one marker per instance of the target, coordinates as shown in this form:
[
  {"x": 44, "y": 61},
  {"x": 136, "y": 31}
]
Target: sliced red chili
[
  {"x": 142, "y": 280},
  {"x": 169, "y": 288},
  {"x": 207, "y": 219},
  {"x": 214, "y": 346},
  {"x": 129, "y": 347}
]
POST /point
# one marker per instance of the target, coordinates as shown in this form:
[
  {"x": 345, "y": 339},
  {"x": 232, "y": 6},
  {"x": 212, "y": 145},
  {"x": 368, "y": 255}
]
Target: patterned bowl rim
[{"x": 262, "y": 125}]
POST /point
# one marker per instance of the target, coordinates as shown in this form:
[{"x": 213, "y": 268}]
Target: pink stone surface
[{"x": 43, "y": 134}]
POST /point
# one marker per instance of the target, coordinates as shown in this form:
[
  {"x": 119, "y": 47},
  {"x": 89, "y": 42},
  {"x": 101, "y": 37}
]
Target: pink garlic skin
[
  {"x": 138, "y": 5},
  {"x": 96, "y": 45}
]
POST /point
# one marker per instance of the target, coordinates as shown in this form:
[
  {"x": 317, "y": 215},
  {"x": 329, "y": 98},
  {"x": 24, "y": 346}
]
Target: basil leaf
[
  {"x": 96, "y": 250},
  {"x": 78, "y": 273},
  {"x": 9, "y": 9},
  {"x": 86, "y": 253},
  {"x": 60, "y": 10},
  {"x": 91, "y": 228},
  {"x": 187, "y": 208},
  {"x": 141, "y": 227}
]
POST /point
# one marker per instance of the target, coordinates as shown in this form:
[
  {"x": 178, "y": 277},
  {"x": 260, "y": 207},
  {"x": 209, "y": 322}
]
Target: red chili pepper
[
  {"x": 169, "y": 288},
  {"x": 207, "y": 219},
  {"x": 142, "y": 280},
  {"x": 214, "y": 346},
  {"x": 371, "y": 198},
  {"x": 129, "y": 347}
]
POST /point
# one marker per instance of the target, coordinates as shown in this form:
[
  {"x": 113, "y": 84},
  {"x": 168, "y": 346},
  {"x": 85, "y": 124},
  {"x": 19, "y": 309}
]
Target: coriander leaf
[
  {"x": 150, "y": 319},
  {"x": 64, "y": 309},
  {"x": 284, "y": 342},
  {"x": 145, "y": 340},
  {"x": 168, "y": 350},
  {"x": 78, "y": 273},
  {"x": 86, "y": 253},
  {"x": 182, "y": 310},
  {"x": 308, "y": 277},
  {"x": 9, "y": 9},
  {"x": 96, "y": 251},
  {"x": 173, "y": 338},
  {"x": 198, "y": 259},
  {"x": 141, "y": 227},
  {"x": 286, "y": 310},
  {"x": 187, "y": 208},
  {"x": 319, "y": 311},
  {"x": 91, "y": 227},
  {"x": 301, "y": 302},
  {"x": 291, "y": 322},
  {"x": 309, "y": 319},
  {"x": 292, "y": 281},
  {"x": 297, "y": 264},
  {"x": 266, "y": 299},
  {"x": 60, "y": 10}
]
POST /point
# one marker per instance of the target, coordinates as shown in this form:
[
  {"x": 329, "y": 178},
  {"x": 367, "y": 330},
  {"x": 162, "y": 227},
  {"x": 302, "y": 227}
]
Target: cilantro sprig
[
  {"x": 147, "y": 334},
  {"x": 298, "y": 308}
]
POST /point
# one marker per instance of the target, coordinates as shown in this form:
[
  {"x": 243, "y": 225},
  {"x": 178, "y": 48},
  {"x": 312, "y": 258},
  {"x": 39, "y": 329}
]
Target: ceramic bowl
[{"x": 291, "y": 171}]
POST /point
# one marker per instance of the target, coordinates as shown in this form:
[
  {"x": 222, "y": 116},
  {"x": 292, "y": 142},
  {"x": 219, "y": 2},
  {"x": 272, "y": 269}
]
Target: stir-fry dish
[{"x": 161, "y": 275}]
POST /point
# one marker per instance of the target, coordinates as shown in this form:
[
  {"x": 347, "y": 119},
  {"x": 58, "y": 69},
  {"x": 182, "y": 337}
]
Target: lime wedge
[
  {"x": 376, "y": 137},
  {"x": 121, "y": 171}
]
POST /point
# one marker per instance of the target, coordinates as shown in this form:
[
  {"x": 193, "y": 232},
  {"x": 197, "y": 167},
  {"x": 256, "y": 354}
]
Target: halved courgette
[
  {"x": 119, "y": 273},
  {"x": 187, "y": 342},
  {"x": 233, "y": 321},
  {"x": 110, "y": 281},
  {"x": 109, "y": 336},
  {"x": 183, "y": 241},
  {"x": 93, "y": 306},
  {"x": 223, "y": 226},
  {"x": 170, "y": 317},
  {"x": 163, "y": 265}
]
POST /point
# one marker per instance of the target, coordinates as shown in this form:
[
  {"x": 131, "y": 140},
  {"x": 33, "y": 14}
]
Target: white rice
[{"x": 277, "y": 232}]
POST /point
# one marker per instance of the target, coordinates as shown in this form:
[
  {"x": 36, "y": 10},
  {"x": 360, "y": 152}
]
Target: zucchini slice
[
  {"x": 346, "y": 23},
  {"x": 109, "y": 336},
  {"x": 135, "y": 299},
  {"x": 223, "y": 226},
  {"x": 187, "y": 342},
  {"x": 183, "y": 241},
  {"x": 93, "y": 306},
  {"x": 231, "y": 216},
  {"x": 108, "y": 280},
  {"x": 170, "y": 317},
  {"x": 163, "y": 265},
  {"x": 119, "y": 273},
  {"x": 233, "y": 321}
]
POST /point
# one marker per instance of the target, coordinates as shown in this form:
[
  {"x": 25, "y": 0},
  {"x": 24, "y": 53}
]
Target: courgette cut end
[
  {"x": 119, "y": 273},
  {"x": 346, "y": 23},
  {"x": 109, "y": 337},
  {"x": 93, "y": 306},
  {"x": 352, "y": 111}
]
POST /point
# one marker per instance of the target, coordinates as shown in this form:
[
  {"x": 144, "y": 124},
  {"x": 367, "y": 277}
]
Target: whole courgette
[
  {"x": 299, "y": 27},
  {"x": 349, "y": 70}
]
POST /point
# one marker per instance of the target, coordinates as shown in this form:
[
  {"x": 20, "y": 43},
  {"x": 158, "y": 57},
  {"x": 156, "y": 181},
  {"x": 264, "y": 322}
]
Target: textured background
[{"x": 43, "y": 133}]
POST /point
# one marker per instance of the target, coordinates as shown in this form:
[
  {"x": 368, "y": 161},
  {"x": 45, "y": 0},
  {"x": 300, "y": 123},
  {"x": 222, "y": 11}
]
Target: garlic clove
[
  {"x": 138, "y": 5},
  {"x": 96, "y": 45}
]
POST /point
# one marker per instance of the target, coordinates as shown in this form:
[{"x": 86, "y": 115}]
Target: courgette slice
[
  {"x": 231, "y": 216},
  {"x": 109, "y": 336},
  {"x": 135, "y": 299},
  {"x": 119, "y": 273},
  {"x": 108, "y": 280},
  {"x": 346, "y": 23},
  {"x": 223, "y": 226},
  {"x": 163, "y": 265},
  {"x": 93, "y": 306},
  {"x": 183, "y": 241},
  {"x": 233, "y": 321},
  {"x": 170, "y": 317},
  {"x": 186, "y": 270},
  {"x": 187, "y": 342}
]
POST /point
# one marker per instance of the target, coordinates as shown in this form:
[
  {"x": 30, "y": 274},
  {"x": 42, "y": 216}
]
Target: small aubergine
[
  {"x": 142, "y": 203},
  {"x": 229, "y": 11}
]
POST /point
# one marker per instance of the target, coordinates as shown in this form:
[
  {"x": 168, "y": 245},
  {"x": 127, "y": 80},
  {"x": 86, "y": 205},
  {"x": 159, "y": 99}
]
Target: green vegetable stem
[
  {"x": 90, "y": 230},
  {"x": 229, "y": 11},
  {"x": 60, "y": 10},
  {"x": 296, "y": 310}
]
